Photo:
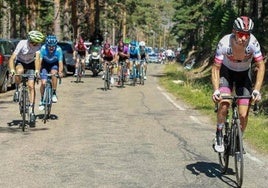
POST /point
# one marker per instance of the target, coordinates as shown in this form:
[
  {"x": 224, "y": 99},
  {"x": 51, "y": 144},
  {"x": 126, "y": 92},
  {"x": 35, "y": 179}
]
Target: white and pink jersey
[{"x": 224, "y": 54}]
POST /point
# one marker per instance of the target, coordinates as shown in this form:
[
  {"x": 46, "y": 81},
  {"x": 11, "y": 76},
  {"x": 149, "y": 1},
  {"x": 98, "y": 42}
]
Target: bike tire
[
  {"x": 141, "y": 75},
  {"x": 24, "y": 109},
  {"x": 108, "y": 79},
  {"x": 79, "y": 72},
  {"x": 238, "y": 155},
  {"x": 106, "y": 86},
  {"x": 122, "y": 76},
  {"x": 47, "y": 102},
  {"x": 224, "y": 157}
]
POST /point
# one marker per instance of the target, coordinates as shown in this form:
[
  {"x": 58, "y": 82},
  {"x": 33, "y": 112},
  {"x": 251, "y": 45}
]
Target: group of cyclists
[
  {"x": 36, "y": 60},
  {"x": 39, "y": 55},
  {"x": 130, "y": 53}
]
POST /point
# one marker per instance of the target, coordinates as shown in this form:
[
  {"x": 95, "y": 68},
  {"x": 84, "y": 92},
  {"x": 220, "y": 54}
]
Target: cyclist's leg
[
  {"x": 43, "y": 75},
  {"x": 54, "y": 70},
  {"x": 83, "y": 62},
  {"x": 243, "y": 87},
  {"x": 225, "y": 87},
  {"x": 19, "y": 70}
]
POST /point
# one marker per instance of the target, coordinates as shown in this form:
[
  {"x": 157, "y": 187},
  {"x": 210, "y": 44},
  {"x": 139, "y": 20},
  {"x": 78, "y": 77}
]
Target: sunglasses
[
  {"x": 34, "y": 44},
  {"x": 242, "y": 34}
]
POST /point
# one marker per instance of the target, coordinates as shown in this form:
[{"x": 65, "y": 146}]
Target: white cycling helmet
[
  {"x": 142, "y": 43},
  {"x": 244, "y": 24}
]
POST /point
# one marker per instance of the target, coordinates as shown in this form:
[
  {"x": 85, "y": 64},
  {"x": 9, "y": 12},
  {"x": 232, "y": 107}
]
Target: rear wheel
[{"x": 238, "y": 156}]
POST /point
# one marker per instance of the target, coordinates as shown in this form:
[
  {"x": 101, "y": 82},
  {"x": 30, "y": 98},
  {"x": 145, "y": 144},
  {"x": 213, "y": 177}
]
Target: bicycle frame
[
  {"x": 24, "y": 101},
  {"x": 233, "y": 141},
  {"x": 47, "y": 97}
]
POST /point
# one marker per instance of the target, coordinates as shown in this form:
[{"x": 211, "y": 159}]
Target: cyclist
[
  {"x": 143, "y": 56},
  {"x": 80, "y": 52},
  {"x": 25, "y": 60},
  {"x": 122, "y": 54},
  {"x": 134, "y": 56},
  {"x": 51, "y": 59},
  {"x": 231, "y": 67},
  {"x": 107, "y": 54}
]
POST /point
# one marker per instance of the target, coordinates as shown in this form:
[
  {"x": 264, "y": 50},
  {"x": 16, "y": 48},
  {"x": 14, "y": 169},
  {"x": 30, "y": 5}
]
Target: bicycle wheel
[
  {"x": 141, "y": 75},
  {"x": 24, "y": 104},
  {"x": 122, "y": 76},
  {"x": 224, "y": 157},
  {"x": 106, "y": 80},
  {"x": 134, "y": 75},
  {"x": 79, "y": 72},
  {"x": 47, "y": 103},
  {"x": 238, "y": 155}
]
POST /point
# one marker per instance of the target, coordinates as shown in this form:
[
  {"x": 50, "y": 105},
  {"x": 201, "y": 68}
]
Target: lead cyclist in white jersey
[
  {"x": 232, "y": 67},
  {"x": 23, "y": 61}
]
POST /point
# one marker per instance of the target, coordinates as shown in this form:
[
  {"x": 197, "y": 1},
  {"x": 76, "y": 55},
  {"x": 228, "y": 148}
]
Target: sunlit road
[{"x": 125, "y": 137}]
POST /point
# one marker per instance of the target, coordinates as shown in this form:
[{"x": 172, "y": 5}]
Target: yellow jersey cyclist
[
  {"x": 25, "y": 60},
  {"x": 51, "y": 59},
  {"x": 232, "y": 66}
]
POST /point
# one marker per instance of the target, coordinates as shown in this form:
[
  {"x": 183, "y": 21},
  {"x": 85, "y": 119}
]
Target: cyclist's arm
[
  {"x": 215, "y": 76},
  {"x": 11, "y": 61},
  {"x": 260, "y": 75},
  {"x": 37, "y": 61}
]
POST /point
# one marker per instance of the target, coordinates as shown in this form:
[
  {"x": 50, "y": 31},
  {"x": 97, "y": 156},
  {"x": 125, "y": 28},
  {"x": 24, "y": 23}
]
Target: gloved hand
[
  {"x": 12, "y": 72},
  {"x": 37, "y": 73},
  {"x": 216, "y": 95},
  {"x": 256, "y": 95}
]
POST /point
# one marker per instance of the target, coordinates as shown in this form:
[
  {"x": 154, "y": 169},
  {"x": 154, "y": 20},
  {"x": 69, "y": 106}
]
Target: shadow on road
[{"x": 212, "y": 170}]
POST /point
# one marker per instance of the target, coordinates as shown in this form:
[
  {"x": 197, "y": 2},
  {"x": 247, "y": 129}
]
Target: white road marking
[{"x": 169, "y": 99}]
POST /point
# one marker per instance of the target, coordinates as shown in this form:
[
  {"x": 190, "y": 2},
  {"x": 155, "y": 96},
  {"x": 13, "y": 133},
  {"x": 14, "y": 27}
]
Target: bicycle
[
  {"x": 107, "y": 76},
  {"x": 123, "y": 74},
  {"x": 47, "y": 97},
  {"x": 232, "y": 140},
  {"x": 24, "y": 101}
]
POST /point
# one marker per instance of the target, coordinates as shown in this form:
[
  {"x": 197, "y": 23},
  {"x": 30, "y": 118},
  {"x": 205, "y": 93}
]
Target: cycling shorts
[
  {"x": 241, "y": 81},
  {"x": 28, "y": 68},
  {"x": 47, "y": 69}
]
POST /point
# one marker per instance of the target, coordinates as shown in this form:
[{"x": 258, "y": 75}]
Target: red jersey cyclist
[
  {"x": 232, "y": 66},
  {"x": 108, "y": 55},
  {"x": 80, "y": 52}
]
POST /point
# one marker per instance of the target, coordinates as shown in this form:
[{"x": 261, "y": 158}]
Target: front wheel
[
  {"x": 224, "y": 157},
  {"x": 238, "y": 155}
]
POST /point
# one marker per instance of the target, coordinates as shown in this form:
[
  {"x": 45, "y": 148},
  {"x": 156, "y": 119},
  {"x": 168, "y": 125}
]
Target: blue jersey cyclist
[
  {"x": 134, "y": 55},
  {"x": 51, "y": 59}
]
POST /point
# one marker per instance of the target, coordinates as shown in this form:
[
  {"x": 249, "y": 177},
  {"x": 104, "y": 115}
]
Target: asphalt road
[{"x": 125, "y": 137}]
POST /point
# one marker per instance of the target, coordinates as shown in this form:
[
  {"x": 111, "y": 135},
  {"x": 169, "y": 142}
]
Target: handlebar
[{"x": 234, "y": 98}]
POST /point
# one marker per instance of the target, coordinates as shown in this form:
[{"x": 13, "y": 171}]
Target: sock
[{"x": 220, "y": 126}]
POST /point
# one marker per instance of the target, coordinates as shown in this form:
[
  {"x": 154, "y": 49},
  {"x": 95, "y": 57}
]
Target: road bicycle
[
  {"x": 24, "y": 102},
  {"x": 107, "y": 75},
  {"x": 232, "y": 140},
  {"x": 123, "y": 74},
  {"x": 79, "y": 70},
  {"x": 47, "y": 97}
]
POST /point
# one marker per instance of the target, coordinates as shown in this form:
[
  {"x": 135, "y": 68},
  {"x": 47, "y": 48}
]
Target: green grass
[{"x": 197, "y": 92}]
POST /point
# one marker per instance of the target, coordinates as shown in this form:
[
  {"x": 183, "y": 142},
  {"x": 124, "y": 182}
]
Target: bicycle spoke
[{"x": 238, "y": 156}]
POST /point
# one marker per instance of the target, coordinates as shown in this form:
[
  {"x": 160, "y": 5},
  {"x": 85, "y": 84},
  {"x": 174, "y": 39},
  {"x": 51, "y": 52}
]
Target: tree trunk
[{"x": 57, "y": 21}]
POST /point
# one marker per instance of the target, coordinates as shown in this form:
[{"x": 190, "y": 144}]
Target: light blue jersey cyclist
[{"x": 51, "y": 59}]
